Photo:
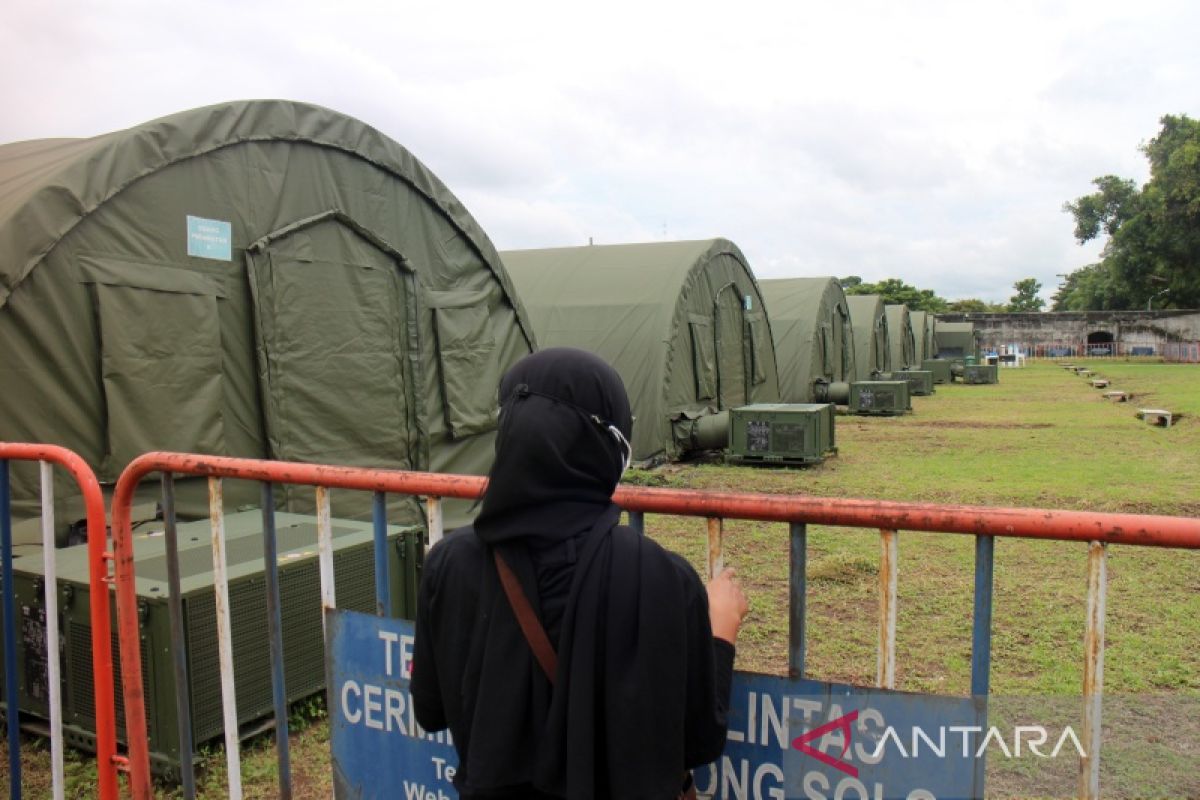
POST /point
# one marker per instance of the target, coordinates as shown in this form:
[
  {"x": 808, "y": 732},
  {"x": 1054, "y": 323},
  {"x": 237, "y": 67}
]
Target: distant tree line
[
  {"x": 1152, "y": 256},
  {"x": 896, "y": 292}
]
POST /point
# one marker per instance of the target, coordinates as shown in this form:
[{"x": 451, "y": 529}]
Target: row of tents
[{"x": 271, "y": 279}]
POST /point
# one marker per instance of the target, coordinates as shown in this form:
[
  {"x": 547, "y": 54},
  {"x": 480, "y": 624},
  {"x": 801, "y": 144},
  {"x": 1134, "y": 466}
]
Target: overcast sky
[{"x": 933, "y": 142}]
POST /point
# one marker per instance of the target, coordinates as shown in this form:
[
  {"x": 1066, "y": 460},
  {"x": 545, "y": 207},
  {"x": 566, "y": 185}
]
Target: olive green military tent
[
  {"x": 682, "y": 322},
  {"x": 956, "y": 340},
  {"x": 261, "y": 279},
  {"x": 814, "y": 341},
  {"x": 872, "y": 351},
  {"x": 902, "y": 342},
  {"x": 922, "y": 327}
]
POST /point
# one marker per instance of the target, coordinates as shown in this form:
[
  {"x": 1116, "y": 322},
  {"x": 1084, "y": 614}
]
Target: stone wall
[{"x": 1127, "y": 329}]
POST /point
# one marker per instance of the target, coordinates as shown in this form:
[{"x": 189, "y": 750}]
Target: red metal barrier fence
[
  {"x": 107, "y": 760},
  {"x": 986, "y": 524}
]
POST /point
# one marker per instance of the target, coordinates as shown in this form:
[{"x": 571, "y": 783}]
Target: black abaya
[{"x": 642, "y": 688}]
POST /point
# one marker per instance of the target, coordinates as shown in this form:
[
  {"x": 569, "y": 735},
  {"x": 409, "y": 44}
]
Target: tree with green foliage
[
  {"x": 896, "y": 292},
  {"x": 1026, "y": 298},
  {"x": 1153, "y": 245},
  {"x": 973, "y": 305}
]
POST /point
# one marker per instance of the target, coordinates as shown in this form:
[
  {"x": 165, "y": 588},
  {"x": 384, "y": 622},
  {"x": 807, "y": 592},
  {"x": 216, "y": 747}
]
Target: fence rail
[
  {"x": 986, "y": 524},
  {"x": 107, "y": 760}
]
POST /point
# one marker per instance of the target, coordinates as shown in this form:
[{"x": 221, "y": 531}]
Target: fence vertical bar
[
  {"x": 637, "y": 521},
  {"x": 325, "y": 556},
  {"x": 1093, "y": 670},
  {"x": 433, "y": 510},
  {"x": 183, "y": 708},
  {"x": 275, "y": 634},
  {"x": 53, "y": 672},
  {"x": 981, "y": 630},
  {"x": 716, "y": 546},
  {"x": 383, "y": 603},
  {"x": 981, "y": 644},
  {"x": 797, "y": 598},
  {"x": 885, "y": 661},
  {"x": 12, "y": 714},
  {"x": 233, "y": 760}
]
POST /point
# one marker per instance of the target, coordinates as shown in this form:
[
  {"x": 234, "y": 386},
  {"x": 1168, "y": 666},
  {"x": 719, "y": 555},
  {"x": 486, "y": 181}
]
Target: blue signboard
[
  {"x": 787, "y": 738},
  {"x": 209, "y": 238}
]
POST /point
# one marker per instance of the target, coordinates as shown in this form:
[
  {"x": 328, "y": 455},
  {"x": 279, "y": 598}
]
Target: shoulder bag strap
[{"x": 535, "y": 634}]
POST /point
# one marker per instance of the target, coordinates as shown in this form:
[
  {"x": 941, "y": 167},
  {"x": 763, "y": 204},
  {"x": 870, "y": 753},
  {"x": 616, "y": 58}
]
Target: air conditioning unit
[
  {"x": 920, "y": 382},
  {"x": 879, "y": 398},
  {"x": 300, "y": 596},
  {"x": 780, "y": 433},
  {"x": 939, "y": 367},
  {"x": 981, "y": 373}
]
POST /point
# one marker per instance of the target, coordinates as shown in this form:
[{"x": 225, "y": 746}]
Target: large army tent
[
  {"x": 902, "y": 342},
  {"x": 259, "y": 278},
  {"x": 810, "y": 323},
  {"x": 871, "y": 344},
  {"x": 682, "y": 322},
  {"x": 922, "y": 327}
]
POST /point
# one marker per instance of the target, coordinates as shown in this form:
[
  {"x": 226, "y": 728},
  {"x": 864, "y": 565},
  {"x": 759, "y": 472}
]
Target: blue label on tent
[
  {"x": 209, "y": 238},
  {"x": 749, "y": 303}
]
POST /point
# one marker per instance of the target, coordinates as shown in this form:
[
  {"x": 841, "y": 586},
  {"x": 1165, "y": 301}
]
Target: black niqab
[{"x": 635, "y": 699}]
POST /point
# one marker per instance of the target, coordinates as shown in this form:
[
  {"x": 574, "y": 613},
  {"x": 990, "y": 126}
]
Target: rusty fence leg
[
  {"x": 885, "y": 662},
  {"x": 1093, "y": 670},
  {"x": 53, "y": 672},
  {"x": 178, "y": 651},
  {"x": 716, "y": 546},
  {"x": 437, "y": 523},
  {"x": 797, "y": 598},
  {"x": 233, "y": 757},
  {"x": 383, "y": 594},
  {"x": 325, "y": 555}
]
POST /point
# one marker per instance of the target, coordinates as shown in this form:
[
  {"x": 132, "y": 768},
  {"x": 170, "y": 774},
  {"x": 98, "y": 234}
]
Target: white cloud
[{"x": 931, "y": 141}]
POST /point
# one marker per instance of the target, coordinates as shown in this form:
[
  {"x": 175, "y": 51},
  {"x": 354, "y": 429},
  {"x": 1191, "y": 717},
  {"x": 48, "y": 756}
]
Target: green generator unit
[
  {"x": 981, "y": 373},
  {"x": 920, "y": 381},
  {"x": 781, "y": 434},
  {"x": 939, "y": 368},
  {"x": 879, "y": 398},
  {"x": 300, "y": 599}
]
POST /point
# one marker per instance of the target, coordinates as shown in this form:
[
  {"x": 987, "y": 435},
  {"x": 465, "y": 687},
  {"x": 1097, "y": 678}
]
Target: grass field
[{"x": 1042, "y": 438}]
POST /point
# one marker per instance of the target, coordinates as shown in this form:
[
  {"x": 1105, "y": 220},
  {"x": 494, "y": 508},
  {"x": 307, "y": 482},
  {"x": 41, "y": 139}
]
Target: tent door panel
[
  {"x": 467, "y": 364},
  {"x": 730, "y": 332},
  {"x": 330, "y": 314},
  {"x": 160, "y": 360},
  {"x": 704, "y": 360},
  {"x": 759, "y": 347}
]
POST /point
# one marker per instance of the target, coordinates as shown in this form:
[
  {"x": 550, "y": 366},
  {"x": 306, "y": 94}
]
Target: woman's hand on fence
[{"x": 727, "y": 605}]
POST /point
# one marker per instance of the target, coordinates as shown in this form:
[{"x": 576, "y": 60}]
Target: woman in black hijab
[{"x": 641, "y": 686}]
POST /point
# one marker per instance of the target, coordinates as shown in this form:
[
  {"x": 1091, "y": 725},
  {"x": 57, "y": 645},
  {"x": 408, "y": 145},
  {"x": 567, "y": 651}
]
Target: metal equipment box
[
  {"x": 940, "y": 368},
  {"x": 300, "y": 599},
  {"x": 981, "y": 373},
  {"x": 920, "y": 382},
  {"x": 781, "y": 433},
  {"x": 879, "y": 398}
]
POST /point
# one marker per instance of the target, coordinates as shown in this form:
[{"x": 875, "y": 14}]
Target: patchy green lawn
[{"x": 1041, "y": 438}]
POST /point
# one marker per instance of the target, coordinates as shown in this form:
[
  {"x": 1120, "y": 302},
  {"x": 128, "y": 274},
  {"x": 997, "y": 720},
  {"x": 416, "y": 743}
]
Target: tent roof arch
[
  {"x": 48, "y": 186},
  {"x": 632, "y": 305}
]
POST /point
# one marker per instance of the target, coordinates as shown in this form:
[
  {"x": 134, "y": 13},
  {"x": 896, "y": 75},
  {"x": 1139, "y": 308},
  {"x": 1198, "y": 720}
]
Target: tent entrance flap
[
  {"x": 160, "y": 356},
  {"x": 731, "y": 341},
  {"x": 331, "y": 325}
]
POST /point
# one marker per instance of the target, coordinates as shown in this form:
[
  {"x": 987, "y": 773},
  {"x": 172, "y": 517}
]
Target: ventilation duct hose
[{"x": 826, "y": 392}]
